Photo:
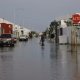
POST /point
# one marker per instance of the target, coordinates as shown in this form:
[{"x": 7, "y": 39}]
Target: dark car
[{"x": 6, "y": 39}]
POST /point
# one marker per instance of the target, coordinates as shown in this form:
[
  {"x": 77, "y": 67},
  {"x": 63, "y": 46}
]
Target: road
[{"x": 31, "y": 61}]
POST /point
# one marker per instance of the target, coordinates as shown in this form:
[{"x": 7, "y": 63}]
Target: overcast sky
[{"x": 36, "y": 14}]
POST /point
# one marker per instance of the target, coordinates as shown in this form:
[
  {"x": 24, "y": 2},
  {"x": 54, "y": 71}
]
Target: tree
[
  {"x": 54, "y": 26},
  {"x": 69, "y": 22}
]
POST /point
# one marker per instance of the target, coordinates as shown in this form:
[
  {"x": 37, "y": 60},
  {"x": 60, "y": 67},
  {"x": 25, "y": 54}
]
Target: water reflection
[
  {"x": 42, "y": 51},
  {"x": 49, "y": 62},
  {"x": 6, "y": 66},
  {"x": 53, "y": 50},
  {"x": 64, "y": 65},
  {"x": 53, "y": 63},
  {"x": 6, "y": 49},
  {"x": 75, "y": 57}
]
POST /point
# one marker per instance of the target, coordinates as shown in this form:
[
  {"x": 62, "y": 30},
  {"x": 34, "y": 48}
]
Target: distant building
[{"x": 17, "y": 30}]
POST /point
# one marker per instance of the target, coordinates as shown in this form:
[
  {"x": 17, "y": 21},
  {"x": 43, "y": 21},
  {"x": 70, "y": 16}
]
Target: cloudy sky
[{"x": 36, "y": 14}]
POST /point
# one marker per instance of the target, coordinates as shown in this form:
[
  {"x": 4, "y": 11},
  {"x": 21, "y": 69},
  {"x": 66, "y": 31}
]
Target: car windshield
[{"x": 5, "y": 36}]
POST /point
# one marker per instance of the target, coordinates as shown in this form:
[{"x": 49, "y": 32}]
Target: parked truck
[{"x": 6, "y": 33}]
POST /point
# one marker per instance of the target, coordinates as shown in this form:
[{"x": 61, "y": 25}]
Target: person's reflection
[
  {"x": 42, "y": 48},
  {"x": 42, "y": 51}
]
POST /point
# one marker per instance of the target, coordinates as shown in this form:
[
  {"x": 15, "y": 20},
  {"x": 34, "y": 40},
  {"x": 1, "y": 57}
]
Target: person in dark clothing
[
  {"x": 42, "y": 39},
  {"x": 52, "y": 36}
]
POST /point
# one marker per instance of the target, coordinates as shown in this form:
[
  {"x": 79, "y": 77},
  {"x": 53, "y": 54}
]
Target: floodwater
[{"x": 31, "y": 61}]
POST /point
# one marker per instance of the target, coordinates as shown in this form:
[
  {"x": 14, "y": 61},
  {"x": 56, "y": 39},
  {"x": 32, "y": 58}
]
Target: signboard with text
[{"x": 76, "y": 19}]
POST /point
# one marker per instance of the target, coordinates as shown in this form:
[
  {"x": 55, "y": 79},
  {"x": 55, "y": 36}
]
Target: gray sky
[{"x": 36, "y": 14}]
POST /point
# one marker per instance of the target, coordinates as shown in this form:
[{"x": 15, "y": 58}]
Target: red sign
[{"x": 76, "y": 19}]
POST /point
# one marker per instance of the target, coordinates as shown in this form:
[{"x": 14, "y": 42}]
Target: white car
[{"x": 23, "y": 38}]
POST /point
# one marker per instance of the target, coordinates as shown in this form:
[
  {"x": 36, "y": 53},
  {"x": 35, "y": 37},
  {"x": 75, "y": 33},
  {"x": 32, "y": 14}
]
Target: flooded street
[{"x": 31, "y": 61}]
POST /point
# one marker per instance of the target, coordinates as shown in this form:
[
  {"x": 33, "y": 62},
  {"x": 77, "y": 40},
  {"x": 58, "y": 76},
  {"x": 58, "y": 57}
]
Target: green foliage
[
  {"x": 69, "y": 22},
  {"x": 53, "y": 25}
]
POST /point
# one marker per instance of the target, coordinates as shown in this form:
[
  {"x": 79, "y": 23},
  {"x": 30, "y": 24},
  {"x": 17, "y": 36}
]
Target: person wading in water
[{"x": 42, "y": 39}]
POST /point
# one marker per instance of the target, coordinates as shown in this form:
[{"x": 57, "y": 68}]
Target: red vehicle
[
  {"x": 6, "y": 28},
  {"x": 6, "y": 32}
]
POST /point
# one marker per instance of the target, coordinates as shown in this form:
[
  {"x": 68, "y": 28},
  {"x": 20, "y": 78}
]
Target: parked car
[
  {"x": 14, "y": 38},
  {"x": 23, "y": 38},
  {"x": 6, "y": 39}
]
